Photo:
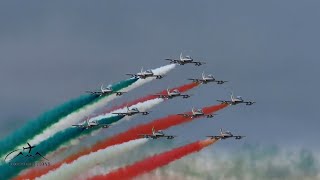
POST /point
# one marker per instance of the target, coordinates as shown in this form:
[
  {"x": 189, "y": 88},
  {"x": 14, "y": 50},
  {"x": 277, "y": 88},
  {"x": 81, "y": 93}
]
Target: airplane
[
  {"x": 145, "y": 74},
  {"x": 105, "y": 91},
  {"x": 172, "y": 94},
  {"x": 226, "y": 135},
  {"x": 236, "y": 100},
  {"x": 30, "y": 147},
  {"x": 156, "y": 135},
  {"x": 90, "y": 124},
  {"x": 197, "y": 113},
  {"x": 132, "y": 111},
  {"x": 185, "y": 60},
  {"x": 206, "y": 79}
]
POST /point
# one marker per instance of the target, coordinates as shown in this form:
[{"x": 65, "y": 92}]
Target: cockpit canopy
[
  {"x": 176, "y": 91},
  {"x": 200, "y": 111},
  {"x": 210, "y": 76},
  {"x": 239, "y": 97},
  {"x": 149, "y": 71},
  {"x": 188, "y": 57},
  {"x": 134, "y": 109}
]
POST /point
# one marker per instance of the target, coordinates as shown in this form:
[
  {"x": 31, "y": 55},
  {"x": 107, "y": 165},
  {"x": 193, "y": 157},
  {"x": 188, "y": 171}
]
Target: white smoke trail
[
  {"x": 158, "y": 71},
  {"x": 70, "y": 171},
  {"x": 80, "y": 114}
]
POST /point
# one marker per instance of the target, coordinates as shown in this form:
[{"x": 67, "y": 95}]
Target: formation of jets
[
  {"x": 206, "y": 79},
  {"x": 185, "y": 60},
  {"x": 146, "y": 74},
  {"x": 156, "y": 134},
  {"x": 169, "y": 94},
  {"x": 172, "y": 94},
  {"x": 131, "y": 112},
  {"x": 90, "y": 124},
  {"x": 197, "y": 113},
  {"x": 225, "y": 135},
  {"x": 106, "y": 91}
]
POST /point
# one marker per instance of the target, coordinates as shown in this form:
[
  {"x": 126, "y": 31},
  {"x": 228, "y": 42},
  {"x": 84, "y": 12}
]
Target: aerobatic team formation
[{"x": 44, "y": 147}]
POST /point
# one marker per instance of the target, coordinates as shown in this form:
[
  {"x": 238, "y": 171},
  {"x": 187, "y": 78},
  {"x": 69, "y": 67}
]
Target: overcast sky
[{"x": 53, "y": 51}]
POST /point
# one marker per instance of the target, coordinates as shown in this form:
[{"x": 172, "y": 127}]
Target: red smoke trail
[
  {"x": 182, "y": 89},
  {"x": 131, "y": 134},
  {"x": 156, "y": 161}
]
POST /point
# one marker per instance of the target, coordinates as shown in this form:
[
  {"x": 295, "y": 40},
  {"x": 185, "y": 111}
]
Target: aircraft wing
[
  {"x": 94, "y": 92},
  {"x": 161, "y": 95},
  {"x": 196, "y": 80},
  {"x": 78, "y": 125},
  {"x": 249, "y": 103},
  {"x": 185, "y": 95},
  {"x": 185, "y": 115},
  {"x": 146, "y": 135},
  {"x": 172, "y": 60},
  {"x": 104, "y": 125},
  {"x": 224, "y": 102},
  {"x": 215, "y": 137},
  {"x": 169, "y": 136},
  {"x": 119, "y": 92},
  {"x": 133, "y": 75},
  {"x": 220, "y": 82},
  {"x": 198, "y": 63},
  {"x": 123, "y": 114},
  {"x": 239, "y": 137}
]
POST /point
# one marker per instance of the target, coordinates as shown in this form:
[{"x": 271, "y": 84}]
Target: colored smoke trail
[
  {"x": 76, "y": 116},
  {"x": 33, "y": 127},
  {"x": 50, "y": 145},
  {"x": 156, "y": 161},
  {"x": 70, "y": 171},
  {"x": 131, "y": 134}
]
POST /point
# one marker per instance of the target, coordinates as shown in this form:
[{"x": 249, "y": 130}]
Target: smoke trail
[
  {"x": 70, "y": 171},
  {"x": 45, "y": 120},
  {"x": 161, "y": 71},
  {"x": 131, "y": 134},
  {"x": 156, "y": 161},
  {"x": 74, "y": 117},
  {"x": 250, "y": 162},
  {"x": 50, "y": 145}
]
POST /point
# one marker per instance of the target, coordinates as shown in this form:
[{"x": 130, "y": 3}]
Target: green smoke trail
[
  {"x": 48, "y": 146},
  {"x": 38, "y": 125},
  {"x": 45, "y": 120}
]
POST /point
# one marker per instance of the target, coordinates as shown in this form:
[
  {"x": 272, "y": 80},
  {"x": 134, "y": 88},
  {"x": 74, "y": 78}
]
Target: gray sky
[{"x": 53, "y": 51}]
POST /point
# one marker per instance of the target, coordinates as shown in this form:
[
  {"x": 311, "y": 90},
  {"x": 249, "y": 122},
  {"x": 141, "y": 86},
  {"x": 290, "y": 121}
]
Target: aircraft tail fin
[
  {"x": 203, "y": 75},
  {"x": 153, "y": 131},
  {"x": 232, "y": 97},
  {"x": 101, "y": 88}
]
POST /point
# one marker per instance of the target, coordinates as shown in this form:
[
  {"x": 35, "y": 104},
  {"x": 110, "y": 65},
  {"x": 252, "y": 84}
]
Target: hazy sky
[{"x": 53, "y": 51}]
